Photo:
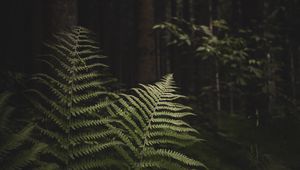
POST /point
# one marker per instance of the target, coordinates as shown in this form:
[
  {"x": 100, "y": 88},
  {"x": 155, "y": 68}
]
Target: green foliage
[
  {"x": 17, "y": 149},
  {"x": 240, "y": 65},
  {"x": 154, "y": 127},
  {"x": 87, "y": 127},
  {"x": 255, "y": 69},
  {"x": 180, "y": 36},
  {"x": 73, "y": 101},
  {"x": 232, "y": 54}
]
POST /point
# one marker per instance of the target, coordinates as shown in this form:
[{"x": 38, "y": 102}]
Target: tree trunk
[
  {"x": 186, "y": 10},
  {"x": 218, "y": 88},
  {"x": 292, "y": 74},
  {"x": 59, "y": 14},
  {"x": 147, "y": 61},
  {"x": 235, "y": 16},
  {"x": 162, "y": 14},
  {"x": 231, "y": 96},
  {"x": 213, "y": 8}
]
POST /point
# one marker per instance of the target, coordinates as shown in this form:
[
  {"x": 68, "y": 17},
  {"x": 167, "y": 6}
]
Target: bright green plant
[
  {"x": 154, "y": 127},
  {"x": 88, "y": 127},
  {"x": 74, "y": 98},
  {"x": 17, "y": 148}
]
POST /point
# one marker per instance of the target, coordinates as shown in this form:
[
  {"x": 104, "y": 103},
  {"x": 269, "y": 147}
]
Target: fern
[
  {"x": 145, "y": 128},
  {"x": 153, "y": 127},
  {"x": 17, "y": 149},
  {"x": 75, "y": 95}
]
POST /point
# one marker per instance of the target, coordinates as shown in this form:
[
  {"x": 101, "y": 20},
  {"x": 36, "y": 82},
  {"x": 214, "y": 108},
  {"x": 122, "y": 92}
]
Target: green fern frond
[
  {"x": 171, "y": 154},
  {"x": 73, "y": 105},
  {"x": 84, "y": 123},
  {"x": 152, "y": 120}
]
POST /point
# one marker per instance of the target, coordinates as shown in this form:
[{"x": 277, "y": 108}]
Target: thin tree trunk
[
  {"x": 236, "y": 13},
  {"x": 213, "y": 8},
  {"x": 186, "y": 58},
  {"x": 173, "y": 59},
  {"x": 168, "y": 17},
  {"x": 235, "y": 22},
  {"x": 292, "y": 74},
  {"x": 161, "y": 15},
  {"x": 147, "y": 61},
  {"x": 192, "y": 12},
  {"x": 179, "y": 6},
  {"x": 173, "y": 8},
  {"x": 231, "y": 93},
  {"x": 218, "y": 89},
  {"x": 186, "y": 10},
  {"x": 270, "y": 84},
  {"x": 37, "y": 30}
]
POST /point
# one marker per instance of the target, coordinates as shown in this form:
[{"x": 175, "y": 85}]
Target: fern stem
[{"x": 150, "y": 124}]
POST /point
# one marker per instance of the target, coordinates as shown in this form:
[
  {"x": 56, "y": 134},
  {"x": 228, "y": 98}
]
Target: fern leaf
[
  {"x": 74, "y": 102},
  {"x": 152, "y": 120}
]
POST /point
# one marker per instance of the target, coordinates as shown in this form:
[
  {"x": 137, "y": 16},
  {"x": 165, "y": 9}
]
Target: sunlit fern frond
[
  {"x": 73, "y": 97},
  {"x": 154, "y": 129},
  {"x": 17, "y": 150}
]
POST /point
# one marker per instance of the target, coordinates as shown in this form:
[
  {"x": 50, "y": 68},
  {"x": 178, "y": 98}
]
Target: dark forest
[{"x": 150, "y": 84}]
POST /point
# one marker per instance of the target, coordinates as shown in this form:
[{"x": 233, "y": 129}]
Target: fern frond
[
  {"x": 93, "y": 148},
  {"x": 74, "y": 102},
  {"x": 173, "y": 155},
  {"x": 152, "y": 120},
  {"x": 84, "y": 122}
]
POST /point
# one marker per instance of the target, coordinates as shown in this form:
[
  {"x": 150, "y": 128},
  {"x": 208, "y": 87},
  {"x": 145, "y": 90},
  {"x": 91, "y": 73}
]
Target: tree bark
[
  {"x": 292, "y": 74},
  {"x": 162, "y": 9},
  {"x": 236, "y": 13},
  {"x": 231, "y": 100},
  {"x": 147, "y": 61},
  {"x": 59, "y": 14},
  {"x": 186, "y": 11},
  {"x": 213, "y": 8}
]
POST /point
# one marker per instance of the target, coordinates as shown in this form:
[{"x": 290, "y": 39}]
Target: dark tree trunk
[
  {"x": 236, "y": 13},
  {"x": 292, "y": 73},
  {"x": 174, "y": 58},
  {"x": 187, "y": 60},
  {"x": 147, "y": 61},
  {"x": 213, "y": 8},
  {"x": 59, "y": 14},
  {"x": 162, "y": 9},
  {"x": 186, "y": 10},
  {"x": 173, "y": 8}
]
